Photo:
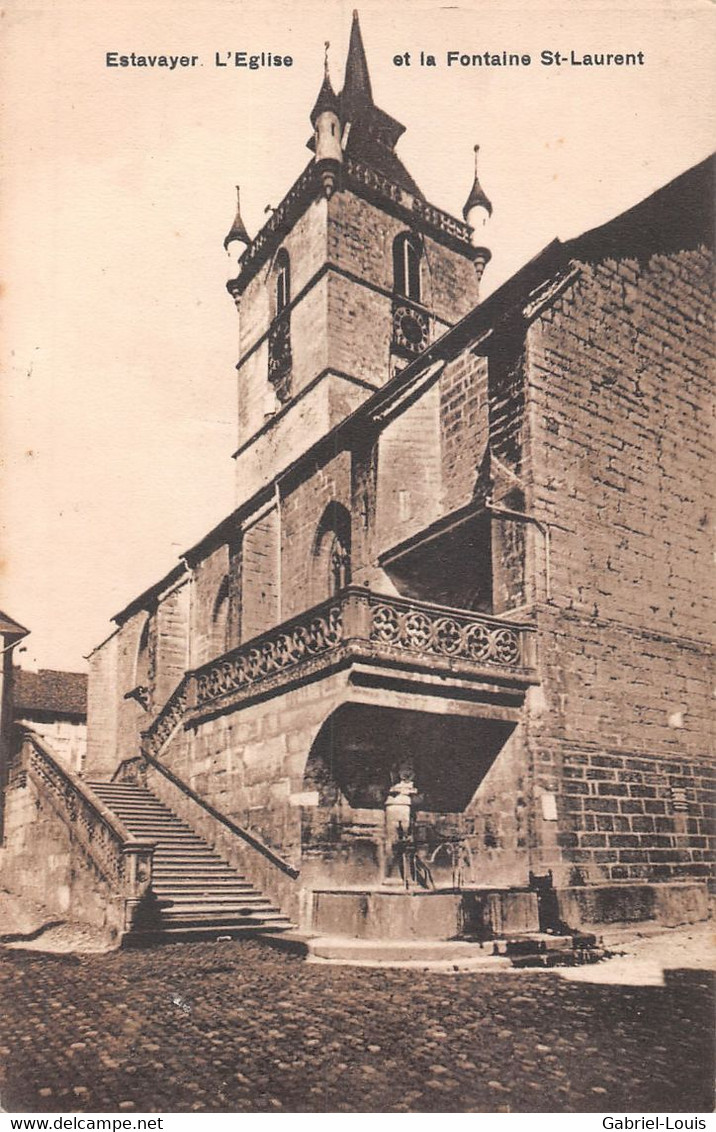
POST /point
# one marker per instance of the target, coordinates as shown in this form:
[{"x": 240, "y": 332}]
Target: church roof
[
  {"x": 10, "y": 628},
  {"x": 373, "y": 133},
  {"x": 357, "y": 92}
]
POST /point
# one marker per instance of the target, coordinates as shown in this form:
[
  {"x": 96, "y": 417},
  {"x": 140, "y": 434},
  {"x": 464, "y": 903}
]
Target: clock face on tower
[{"x": 411, "y": 329}]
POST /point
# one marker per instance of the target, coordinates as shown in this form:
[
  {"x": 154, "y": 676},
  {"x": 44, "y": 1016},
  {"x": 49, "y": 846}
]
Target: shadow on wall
[{"x": 359, "y": 753}]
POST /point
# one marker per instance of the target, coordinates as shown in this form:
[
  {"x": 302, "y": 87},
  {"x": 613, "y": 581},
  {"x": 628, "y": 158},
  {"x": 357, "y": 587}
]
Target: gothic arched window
[
  {"x": 279, "y": 341},
  {"x": 406, "y": 266},
  {"x": 283, "y": 281},
  {"x": 332, "y": 552}
]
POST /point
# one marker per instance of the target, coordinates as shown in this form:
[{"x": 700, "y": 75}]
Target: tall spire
[
  {"x": 369, "y": 133},
  {"x": 357, "y": 93},
  {"x": 237, "y": 230}
]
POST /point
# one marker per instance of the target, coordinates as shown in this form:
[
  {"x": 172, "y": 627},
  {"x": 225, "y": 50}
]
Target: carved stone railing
[
  {"x": 356, "y": 624},
  {"x": 281, "y": 220},
  {"x": 362, "y": 176},
  {"x": 170, "y": 717},
  {"x": 440, "y": 631},
  {"x": 123, "y": 861},
  {"x": 364, "y": 625},
  {"x": 283, "y": 649}
]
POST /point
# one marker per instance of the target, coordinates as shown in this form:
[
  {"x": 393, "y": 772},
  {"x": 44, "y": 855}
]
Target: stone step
[
  {"x": 185, "y": 934},
  {"x": 440, "y": 954},
  {"x": 218, "y": 920},
  {"x": 216, "y": 911},
  {"x": 538, "y": 943},
  {"x": 214, "y": 906},
  {"x": 194, "y": 869},
  {"x": 181, "y": 838},
  {"x": 165, "y": 883},
  {"x": 201, "y": 892},
  {"x": 165, "y": 874},
  {"x": 169, "y": 901},
  {"x": 165, "y": 828},
  {"x": 199, "y": 895}
]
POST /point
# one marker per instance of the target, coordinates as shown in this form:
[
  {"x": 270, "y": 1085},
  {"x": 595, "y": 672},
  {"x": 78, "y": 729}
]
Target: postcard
[{"x": 354, "y": 735}]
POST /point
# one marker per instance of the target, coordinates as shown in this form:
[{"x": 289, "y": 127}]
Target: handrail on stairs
[
  {"x": 250, "y": 838},
  {"x": 123, "y": 859}
]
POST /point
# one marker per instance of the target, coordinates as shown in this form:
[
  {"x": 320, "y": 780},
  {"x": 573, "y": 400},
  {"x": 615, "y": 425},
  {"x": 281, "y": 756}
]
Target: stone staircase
[{"x": 197, "y": 894}]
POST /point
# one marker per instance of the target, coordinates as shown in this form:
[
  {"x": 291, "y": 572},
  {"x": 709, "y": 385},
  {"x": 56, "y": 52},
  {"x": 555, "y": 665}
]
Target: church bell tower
[{"x": 353, "y": 275}]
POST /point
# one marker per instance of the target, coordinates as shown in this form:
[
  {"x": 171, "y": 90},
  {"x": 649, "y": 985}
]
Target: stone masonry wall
[
  {"x": 259, "y": 576},
  {"x": 464, "y": 426},
  {"x": 172, "y": 649},
  {"x": 619, "y": 393},
  {"x": 301, "y": 511},
  {"x": 40, "y": 862},
  {"x": 102, "y": 709},
  {"x": 409, "y": 473},
  {"x": 250, "y": 766},
  {"x": 360, "y": 241},
  {"x": 209, "y": 620},
  {"x": 305, "y": 245}
]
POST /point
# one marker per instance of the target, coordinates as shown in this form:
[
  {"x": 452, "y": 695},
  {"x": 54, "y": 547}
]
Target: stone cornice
[{"x": 364, "y": 182}]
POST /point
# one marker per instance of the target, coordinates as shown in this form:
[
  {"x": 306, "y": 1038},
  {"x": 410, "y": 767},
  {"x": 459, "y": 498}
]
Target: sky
[{"x": 118, "y": 343}]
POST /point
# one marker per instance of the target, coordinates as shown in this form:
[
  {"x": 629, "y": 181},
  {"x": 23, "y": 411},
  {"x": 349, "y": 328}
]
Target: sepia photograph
[{"x": 357, "y": 555}]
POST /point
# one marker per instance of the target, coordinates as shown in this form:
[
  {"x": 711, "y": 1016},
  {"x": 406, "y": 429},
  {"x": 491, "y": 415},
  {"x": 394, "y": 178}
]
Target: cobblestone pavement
[{"x": 239, "y": 1027}]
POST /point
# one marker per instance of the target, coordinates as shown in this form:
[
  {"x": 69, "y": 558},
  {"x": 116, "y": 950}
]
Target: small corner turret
[
  {"x": 476, "y": 212},
  {"x": 237, "y": 233},
  {"x": 326, "y": 124}
]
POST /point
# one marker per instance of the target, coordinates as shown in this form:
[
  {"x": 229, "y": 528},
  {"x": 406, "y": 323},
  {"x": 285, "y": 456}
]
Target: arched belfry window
[
  {"x": 411, "y": 322},
  {"x": 406, "y": 266},
  {"x": 279, "y": 342},
  {"x": 283, "y": 281},
  {"x": 332, "y": 552}
]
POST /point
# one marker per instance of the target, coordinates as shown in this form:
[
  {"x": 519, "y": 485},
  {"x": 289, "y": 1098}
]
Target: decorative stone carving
[
  {"x": 460, "y": 635},
  {"x": 355, "y": 619},
  {"x": 169, "y": 717},
  {"x": 275, "y": 652}
]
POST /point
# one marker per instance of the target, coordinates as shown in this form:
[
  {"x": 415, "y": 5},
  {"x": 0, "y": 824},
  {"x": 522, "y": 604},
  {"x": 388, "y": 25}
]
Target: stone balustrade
[
  {"x": 367, "y": 626},
  {"x": 122, "y": 860},
  {"x": 170, "y": 717}
]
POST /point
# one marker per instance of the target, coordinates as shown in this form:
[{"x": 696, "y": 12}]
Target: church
[{"x": 443, "y": 672}]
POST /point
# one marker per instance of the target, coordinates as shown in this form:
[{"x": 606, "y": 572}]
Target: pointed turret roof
[
  {"x": 327, "y": 97},
  {"x": 373, "y": 134},
  {"x": 238, "y": 228},
  {"x": 478, "y": 196}
]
